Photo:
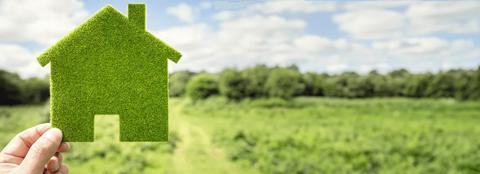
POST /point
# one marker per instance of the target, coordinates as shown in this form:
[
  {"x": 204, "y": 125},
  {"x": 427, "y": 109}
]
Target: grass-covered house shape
[{"x": 110, "y": 65}]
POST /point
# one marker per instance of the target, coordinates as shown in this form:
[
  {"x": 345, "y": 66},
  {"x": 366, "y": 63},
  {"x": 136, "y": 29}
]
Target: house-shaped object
[{"x": 110, "y": 64}]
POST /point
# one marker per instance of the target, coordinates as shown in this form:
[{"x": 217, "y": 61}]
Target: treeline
[
  {"x": 15, "y": 90},
  {"x": 282, "y": 82},
  {"x": 286, "y": 82}
]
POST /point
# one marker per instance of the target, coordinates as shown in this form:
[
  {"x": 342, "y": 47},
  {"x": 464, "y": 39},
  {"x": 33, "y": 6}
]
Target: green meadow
[{"x": 304, "y": 135}]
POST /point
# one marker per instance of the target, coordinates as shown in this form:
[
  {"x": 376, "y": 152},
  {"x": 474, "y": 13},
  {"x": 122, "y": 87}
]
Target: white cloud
[
  {"x": 182, "y": 11},
  {"x": 429, "y": 53},
  {"x": 384, "y": 20},
  {"x": 245, "y": 38},
  {"x": 34, "y": 21},
  {"x": 314, "y": 43},
  {"x": 417, "y": 45},
  {"x": 371, "y": 24},
  {"x": 364, "y": 5},
  {"x": 244, "y": 41},
  {"x": 231, "y": 10},
  {"x": 289, "y": 6},
  {"x": 224, "y": 15},
  {"x": 241, "y": 42},
  {"x": 40, "y": 21},
  {"x": 395, "y": 36},
  {"x": 450, "y": 17},
  {"x": 16, "y": 58}
]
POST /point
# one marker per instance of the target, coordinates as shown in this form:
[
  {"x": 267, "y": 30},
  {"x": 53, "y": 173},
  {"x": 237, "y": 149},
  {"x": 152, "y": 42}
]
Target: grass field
[{"x": 307, "y": 135}]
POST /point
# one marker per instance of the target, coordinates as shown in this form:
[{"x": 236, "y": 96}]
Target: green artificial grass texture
[{"x": 110, "y": 65}]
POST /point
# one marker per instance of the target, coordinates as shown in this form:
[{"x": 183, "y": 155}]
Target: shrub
[
  {"x": 10, "y": 88},
  {"x": 202, "y": 86},
  {"x": 284, "y": 83},
  {"x": 314, "y": 84},
  {"x": 232, "y": 84},
  {"x": 256, "y": 77},
  {"x": 178, "y": 83},
  {"x": 36, "y": 90}
]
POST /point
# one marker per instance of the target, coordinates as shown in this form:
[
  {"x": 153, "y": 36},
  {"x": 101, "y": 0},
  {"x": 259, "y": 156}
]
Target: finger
[
  {"x": 60, "y": 158},
  {"x": 10, "y": 159},
  {"x": 63, "y": 170},
  {"x": 19, "y": 145},
  {"x": 53, "y": 164},
  {"x": 64, "y": 147},
  {"x": 41, "y": 151}
]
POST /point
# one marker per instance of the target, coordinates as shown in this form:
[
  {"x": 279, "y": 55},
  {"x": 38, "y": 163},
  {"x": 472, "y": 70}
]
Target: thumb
[{"x": 41, "y": 151}]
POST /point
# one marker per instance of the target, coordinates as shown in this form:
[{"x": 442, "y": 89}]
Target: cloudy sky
[{"x": 322, "y": 36}]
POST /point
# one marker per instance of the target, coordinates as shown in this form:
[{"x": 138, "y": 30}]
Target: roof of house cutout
[{"x": 110, "y": 65}]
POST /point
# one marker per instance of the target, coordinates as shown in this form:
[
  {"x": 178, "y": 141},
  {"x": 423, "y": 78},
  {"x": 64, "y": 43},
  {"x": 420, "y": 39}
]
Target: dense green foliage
[
  {"x": 285, "y": 82},
  {"x": 15, "y": 90},
  {"x": 319, "y": 135},
  {"x": 177, "y": 83},
  {"x": 202, "y": 86},
  {"x": 233, "y": 84},
  {"x": 256, "y": 77}
]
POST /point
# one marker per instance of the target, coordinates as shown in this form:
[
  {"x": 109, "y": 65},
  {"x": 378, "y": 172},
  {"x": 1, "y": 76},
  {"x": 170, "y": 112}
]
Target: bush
[
  {"x": 202, "y": 86},
  {"x": 36, "y": 90},
  {"x": 15, "y": 90},
  {"x": 284, "y": 83},
  {"x": 314, "y": 84},
  {"x": 10, "y": 88},
  {"x": 474, "y": 88},
  {"x": 256, "y": 77},
  {"x": 178, "y": 83},
  {"x": 232, "y": 84}
]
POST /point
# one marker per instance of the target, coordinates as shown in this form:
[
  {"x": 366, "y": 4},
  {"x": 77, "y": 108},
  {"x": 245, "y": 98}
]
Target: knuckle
[{"x": 41, "y": 148}]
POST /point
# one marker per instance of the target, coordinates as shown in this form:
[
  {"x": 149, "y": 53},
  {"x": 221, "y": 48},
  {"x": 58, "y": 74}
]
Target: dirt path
[{"x": 195, "y": 153}]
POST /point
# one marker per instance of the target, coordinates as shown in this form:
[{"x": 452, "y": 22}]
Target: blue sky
[{"x": 321, "y": 36}]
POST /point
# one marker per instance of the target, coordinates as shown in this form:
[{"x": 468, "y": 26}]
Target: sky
[{"x": 319, "y": 36}]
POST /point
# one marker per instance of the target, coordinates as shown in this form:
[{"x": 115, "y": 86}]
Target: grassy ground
[
  {"x": 312, "y": 135},
  {"x": 308, "y": 135},
  {"x": 15, "y": 119}
]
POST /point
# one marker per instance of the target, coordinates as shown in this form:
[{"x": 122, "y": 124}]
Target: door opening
[{"x": 107, "y": 128}]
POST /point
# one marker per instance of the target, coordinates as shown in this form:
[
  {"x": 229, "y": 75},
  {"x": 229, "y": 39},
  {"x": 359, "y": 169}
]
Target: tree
[
  {"x": 417, "y": 85},
  {"x": 474, "y": 87},
  {"x": 360, "y": 87},
  {"x": 284, "y": 83},
  {"x": 178, "y": 83},
  {"x": 36, "y": 90},
  {"x": 398, "y": 80},
  {"x": 442, "y": 85},
  {"x": 15, "y": 90},
  {"x": 202, "y": 86},
  {"x": 314, "y": 84},
  {"x": 257, "y": 77},
  {"x": 232, "y": 84},
  {"x": 11, "y": 91},
  {"x": 346, "y": 84},
  {"x": 462, "y": 80}
]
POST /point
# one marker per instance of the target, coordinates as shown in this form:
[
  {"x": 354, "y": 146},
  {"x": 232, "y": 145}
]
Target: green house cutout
[{"x": 108, "y": 65}]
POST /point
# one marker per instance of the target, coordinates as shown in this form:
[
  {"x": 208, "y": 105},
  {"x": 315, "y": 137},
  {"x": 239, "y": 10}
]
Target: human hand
[{"x": 35, "y": 151}]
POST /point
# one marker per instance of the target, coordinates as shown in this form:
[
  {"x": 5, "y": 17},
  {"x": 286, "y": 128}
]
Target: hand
[{"x": 35, "y": 151}]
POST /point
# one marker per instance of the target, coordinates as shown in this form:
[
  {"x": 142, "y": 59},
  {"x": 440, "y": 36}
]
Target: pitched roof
[{"x": 114, "y": 19}]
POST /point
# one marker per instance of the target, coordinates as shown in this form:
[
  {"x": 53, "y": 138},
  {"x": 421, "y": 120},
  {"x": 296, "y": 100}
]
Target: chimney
[{"x": 136, "y": 15}]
